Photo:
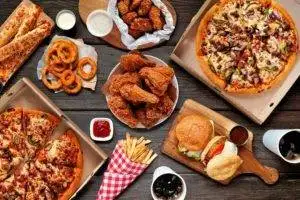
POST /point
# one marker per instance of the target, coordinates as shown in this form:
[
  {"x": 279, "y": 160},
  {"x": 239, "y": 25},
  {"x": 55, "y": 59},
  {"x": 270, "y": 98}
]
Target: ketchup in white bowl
[{"x": 101, "y": 129}]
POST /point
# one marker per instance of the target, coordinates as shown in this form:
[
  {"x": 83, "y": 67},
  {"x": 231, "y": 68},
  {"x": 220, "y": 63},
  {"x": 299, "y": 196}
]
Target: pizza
[
  {"x": 38, "y": 127},
  {"x": 246, "y": 46},
  {"x": 31, "y": 165}
]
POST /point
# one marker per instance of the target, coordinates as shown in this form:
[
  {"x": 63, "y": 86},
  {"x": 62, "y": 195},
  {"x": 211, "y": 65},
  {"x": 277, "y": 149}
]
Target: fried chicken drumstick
[
  {"x": 157, "y": 78},
  {"x": 134, "y": 61},
  {"x": 156, "y": 18},
  {"x": 122, "y": 110},
  {"x": 118, "y": 80},
  {"x": 136, "y": 95},
  {"x": 150, "y": 115}
]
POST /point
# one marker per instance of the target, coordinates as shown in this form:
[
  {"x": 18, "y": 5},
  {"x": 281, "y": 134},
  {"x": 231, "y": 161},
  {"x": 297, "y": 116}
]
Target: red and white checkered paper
[{"x": 120, "y": 173}]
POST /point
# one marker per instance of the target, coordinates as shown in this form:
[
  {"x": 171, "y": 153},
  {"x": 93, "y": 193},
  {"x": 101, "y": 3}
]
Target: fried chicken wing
[
  {"x": 123, "y": 6},
  {"x": 145, "y": 7},
  {"x": 117, "y": 81},
  {"x": 135, "y": 4},
  {"x": 135, "y": 33},
  {"x": 129, "y": 17},
  {"x": 165, "y": 104},
  {"x": 152, "y": 113},
  {"x": 155, "y": 16},
  {"x": 142, "y": 24},
  {"x": 148, "y": 116},
  {"x": 157, "y": 78},
  {"x": 122, "y": 110},
  {"x": 136, "y": 95},
  {"x": 134, "y": 61}
]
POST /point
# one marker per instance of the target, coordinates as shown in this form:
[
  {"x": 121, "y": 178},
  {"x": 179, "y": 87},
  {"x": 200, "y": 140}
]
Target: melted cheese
[
  {"x": 266, "y": 60},
  {"x": 220, "y": 62},
  {"x": 52, "y": 153}
]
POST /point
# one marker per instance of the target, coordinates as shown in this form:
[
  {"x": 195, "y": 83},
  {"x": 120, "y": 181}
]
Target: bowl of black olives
[{"x": 167, "y": 185}]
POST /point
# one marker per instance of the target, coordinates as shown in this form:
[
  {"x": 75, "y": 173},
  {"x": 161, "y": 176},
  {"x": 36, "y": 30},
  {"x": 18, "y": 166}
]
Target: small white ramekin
[{"x": 100, "y": 139}]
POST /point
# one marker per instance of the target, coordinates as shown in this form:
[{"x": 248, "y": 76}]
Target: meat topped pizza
[
  {"x": 61, "y": 164},
  {"x": 63, "y": 151},
  {"x": 38, "y": 127},
  {"x": 12, "y": 147},
  {"x": 31, "y": 166},
  {"x": 246, "y": 46}
]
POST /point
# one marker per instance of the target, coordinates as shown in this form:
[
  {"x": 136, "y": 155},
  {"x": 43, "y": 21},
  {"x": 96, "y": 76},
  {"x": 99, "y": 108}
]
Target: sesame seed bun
[{"x": 194, "y": 132}]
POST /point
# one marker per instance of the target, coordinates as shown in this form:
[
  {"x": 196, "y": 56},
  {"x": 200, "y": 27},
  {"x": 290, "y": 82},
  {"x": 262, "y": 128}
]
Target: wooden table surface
[{"x": 86, "y": 105}]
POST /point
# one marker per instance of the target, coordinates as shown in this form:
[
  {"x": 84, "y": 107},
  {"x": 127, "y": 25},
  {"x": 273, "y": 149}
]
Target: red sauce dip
[
  {"x": 101, "y": 128},
  {"x": 238, "y": 135}
]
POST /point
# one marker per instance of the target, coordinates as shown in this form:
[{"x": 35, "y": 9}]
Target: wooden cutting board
[
  {"x": 85, "y": 7},
  {"x": 222, "y": 127}
]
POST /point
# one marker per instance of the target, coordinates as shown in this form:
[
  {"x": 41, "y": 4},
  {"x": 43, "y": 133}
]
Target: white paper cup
[
  {"x": 166, "y": 170},
  {"x": 271, "y": 141}
]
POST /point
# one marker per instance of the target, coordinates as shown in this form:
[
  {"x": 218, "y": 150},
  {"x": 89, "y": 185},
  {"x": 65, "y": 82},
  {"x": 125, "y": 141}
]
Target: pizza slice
[
  {"x": 63, "y": 151},
  {"x": 11, "y": 130},
  {"x": 61, "y": 163},
  {"x": 38, "y": 127},
  {"x": 37, "y": 187},
  {"x": 26, "y": 183},
  {"x": 14, "y": 187},
  {"x": 12, "y": 145},
  {"x": 62, "y": 180},
  {"x": 10, "y": 159}
]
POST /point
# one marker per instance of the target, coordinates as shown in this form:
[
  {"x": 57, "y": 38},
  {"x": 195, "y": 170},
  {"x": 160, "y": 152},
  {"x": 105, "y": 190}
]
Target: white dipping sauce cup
[
  {"x": 99, "y": 23},
  {"x": 166, "y": 170},
  {"x": 271, "y": 141}
]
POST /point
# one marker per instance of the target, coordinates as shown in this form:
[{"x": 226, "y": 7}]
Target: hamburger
[
  {"x": 193, "y": 133},
  {"x": 221, "y": 158}
]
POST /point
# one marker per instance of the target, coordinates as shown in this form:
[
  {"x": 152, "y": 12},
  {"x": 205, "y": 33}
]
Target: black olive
[{"x": 167, "y": 186}]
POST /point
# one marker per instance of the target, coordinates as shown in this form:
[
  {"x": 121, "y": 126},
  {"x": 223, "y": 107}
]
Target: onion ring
[
  {"x": 59, "y": 67},
  {"x": 55, "y": 73},
  {"x": 53, "y": 84},
  {"x": 67, "y": 51},
  {"x": 51, "y": 57},
  {"x": 84, "y": 75},
  {"x": 67, "y": 77},
  {"x": 74, "y": 89}
]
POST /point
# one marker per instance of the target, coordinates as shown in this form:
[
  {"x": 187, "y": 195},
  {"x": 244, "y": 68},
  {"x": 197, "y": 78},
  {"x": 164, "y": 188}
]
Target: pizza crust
[
  {"x": 71, "y": 135},
  {"x": 221, "y": 83},
  {"x": 73, "y": 186},
  {"x": 77, "y": 171}
]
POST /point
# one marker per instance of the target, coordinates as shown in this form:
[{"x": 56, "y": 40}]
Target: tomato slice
[{"x": 216, "y": 150}]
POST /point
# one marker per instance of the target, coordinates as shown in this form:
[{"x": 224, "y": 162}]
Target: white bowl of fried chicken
[{"x": 141, "y": 91}]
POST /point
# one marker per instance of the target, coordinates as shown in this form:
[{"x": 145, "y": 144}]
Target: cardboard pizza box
[
  {"x": 258, "y": 107},
  {"x": 25, "y": 94}
]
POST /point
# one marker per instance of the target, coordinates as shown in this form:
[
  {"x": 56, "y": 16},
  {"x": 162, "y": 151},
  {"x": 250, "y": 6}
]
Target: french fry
[
  {"x": 142, "y": 157},
  {"x": 147, "y": 157},
  {"x": 132, "y": 148},
  {"x": 140, "y": 140},
  {"x": 151, "y": 159},
  {"x": 137, "y": 150},
  {"x": 139, "y": 153}
]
